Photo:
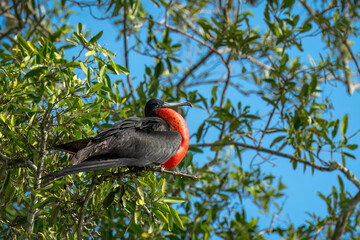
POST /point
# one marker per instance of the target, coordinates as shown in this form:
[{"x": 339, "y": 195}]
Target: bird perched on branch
[{"x": 161, "y": 138}]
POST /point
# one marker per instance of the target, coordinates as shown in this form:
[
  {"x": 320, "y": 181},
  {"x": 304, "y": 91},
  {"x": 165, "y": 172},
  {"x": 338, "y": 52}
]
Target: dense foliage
[{"x": 59, "y": 84}]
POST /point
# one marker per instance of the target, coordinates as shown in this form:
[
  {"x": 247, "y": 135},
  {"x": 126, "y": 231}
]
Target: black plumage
[{"x": 136, "y": 142}]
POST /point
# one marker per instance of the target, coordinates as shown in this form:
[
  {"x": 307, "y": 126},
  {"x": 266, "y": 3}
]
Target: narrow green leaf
[
  {"x": 176, "y": 217},
  {"x": 96, "y": 37},
  {"x": 213, "y": 94},
  {"x": 123, "y": 69},
  {"x": 195, "y": 149},
  {"x": 79, "y": 28},
  {"x": 102, "y": 72},
  {"x": 173, "y": 200},
  {"x": 95, "y": 88},
  {"x": 90, "y": 53},
  {"x": 349, "y": 155},
  {"x": 23, "y": 43},
  {"x": 276, "y": 140},
  {"x": 163, "y": 186},
  {"x": 42, "y": 204},
  {"x": 109, "y": 199},
  {"x": 199, "y": 132},
  {"x": 35, "y": 72},
  {"x": 159, "y": 215},
  {"x": 352, "y": 146},
  {"x": 335, "y": 128},
  {"x": 170, "y": 223},
  {"x": 344, "y": 125},
  {"x": 140, "y": 190},
  {"x": 313, "y": 84},
  {"x": 162, "y": 206},
  {"x": 137, "y": 214},
  {"x": 82, "y": 66}
]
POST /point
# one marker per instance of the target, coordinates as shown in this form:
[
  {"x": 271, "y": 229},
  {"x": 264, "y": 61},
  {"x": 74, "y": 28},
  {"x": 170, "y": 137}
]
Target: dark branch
[
  {"x": 345, "y": 214},
  {"x": 83, "y": 210},
  {"x": 332, "y": 165},
  {"x": 184, "y": 175}
]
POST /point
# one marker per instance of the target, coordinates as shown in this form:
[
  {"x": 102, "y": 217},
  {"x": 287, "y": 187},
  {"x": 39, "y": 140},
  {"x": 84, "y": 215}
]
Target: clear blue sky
[{"x": 302, "y": 187}]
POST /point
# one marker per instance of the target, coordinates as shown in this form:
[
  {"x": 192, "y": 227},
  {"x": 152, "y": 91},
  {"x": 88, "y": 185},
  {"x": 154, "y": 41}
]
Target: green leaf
[
  {"x": 123, "y": 70},
  {"x": 42, "y": 204},
  {"x": 304, "y": 90},
  {"x": 119, "y": 69},
  {"x": 159, "y": 69},
  {"x": 102, "y": 72},
  {"x": 276, "y": 140},
  {"x": 199, "y": 132},
  {"x": 110, "y": 198},
  {"x": 213, "y": 94},
  {"x": 313, "y": 84},
  {"x": 137, "y": 214},
  {"x": 176, "y": 217},
  {"x": 35, "y": 72},
  {"x": 96, "y": 37},
  {"x": 344, "y": 125},
  {"x": 335, "y": 128},
  {"x": 352, "y": 146},
  {"x": 79, "y": 28},
  {"x": 90, "y": 53},
  {"x": 159, "y": 215},
  {"x": 140, "y": 190},
  {"x": 173, "y": 200},
  {"x": 195, "y": 149},
  {"x": 163, "y": 185},
  {"x": 23, "y": 43},
  {"x": 95, "y": 88},
  {"x": 348, "y": 155},
  {"x": 162, "y": 206}
]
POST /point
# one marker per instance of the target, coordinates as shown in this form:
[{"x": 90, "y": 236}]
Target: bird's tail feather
[
  {"x": 73, "y": 147},
  {"x": 90, "y": 165}
]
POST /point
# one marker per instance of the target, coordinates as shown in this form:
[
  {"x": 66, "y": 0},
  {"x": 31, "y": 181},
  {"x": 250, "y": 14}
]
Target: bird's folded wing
[
  {"x": 147, "y": 124},
  {"x": 73, "y": 147}
]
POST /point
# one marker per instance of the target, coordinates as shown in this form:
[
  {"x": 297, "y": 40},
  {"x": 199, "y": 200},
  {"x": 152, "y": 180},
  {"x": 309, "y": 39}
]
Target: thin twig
[
  {"x": 174, "y": 29},
  {"x": 174, "y": 173},
  {"x": 222, "y": 131},
  {"x": 272, "y": 113},
  {"x": 191, "y": 70},
  {"x": 17, "y": 163}
]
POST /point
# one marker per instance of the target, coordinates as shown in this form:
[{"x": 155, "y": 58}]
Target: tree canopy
[{"x": 261, "y": 77}]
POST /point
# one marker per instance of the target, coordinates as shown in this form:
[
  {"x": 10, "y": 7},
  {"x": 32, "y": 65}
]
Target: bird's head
[{"x": 155, "y": 104}]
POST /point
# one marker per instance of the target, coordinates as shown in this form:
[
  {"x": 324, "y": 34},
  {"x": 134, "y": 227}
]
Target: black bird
[{"x": 161, "y": 138}]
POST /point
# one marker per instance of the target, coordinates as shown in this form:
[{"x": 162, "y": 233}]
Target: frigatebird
[{"x": 161, "y": 138}]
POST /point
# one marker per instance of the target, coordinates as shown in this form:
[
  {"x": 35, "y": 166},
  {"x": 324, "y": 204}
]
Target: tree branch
[
  {"x": 174, "y": 173},
  {"x": 37, "y": 178},
  {"x": 191, "y": 37},
  {"x": 83, "y": 210},
  {"x": 152, "y": 169},
  {"x": 332, "y": 165},
  {"x": 191, "y": 70},
  {"x": 349, "y": 175},
  {"x": 345, "y": 214}
]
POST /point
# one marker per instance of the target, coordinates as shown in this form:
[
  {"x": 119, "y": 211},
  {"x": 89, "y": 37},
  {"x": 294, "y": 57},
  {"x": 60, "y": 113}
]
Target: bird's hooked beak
[{"x": 171, "y": 105}]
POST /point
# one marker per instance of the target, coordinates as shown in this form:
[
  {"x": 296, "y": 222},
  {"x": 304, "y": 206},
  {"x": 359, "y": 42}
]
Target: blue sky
[{"x": 302, "y": 187}]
